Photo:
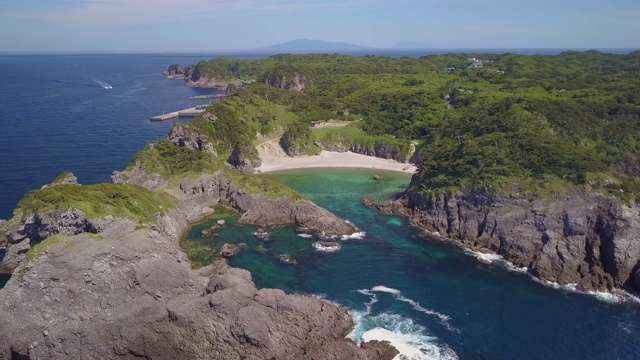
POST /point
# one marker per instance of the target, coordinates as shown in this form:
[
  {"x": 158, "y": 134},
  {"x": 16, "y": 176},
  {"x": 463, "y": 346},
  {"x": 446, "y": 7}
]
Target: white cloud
[{"x": 110, "y": 13}]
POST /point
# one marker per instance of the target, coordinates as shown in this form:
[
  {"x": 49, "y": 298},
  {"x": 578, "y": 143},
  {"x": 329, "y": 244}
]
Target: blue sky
[{"x": 216, "y": 25}]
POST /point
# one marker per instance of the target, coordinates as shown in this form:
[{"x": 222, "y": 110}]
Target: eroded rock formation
[
  {"x": 584, "y": 238},
  {"x": 111, "y": 288}
]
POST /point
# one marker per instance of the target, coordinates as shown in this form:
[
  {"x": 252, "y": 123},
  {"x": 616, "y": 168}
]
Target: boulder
[{"x": 229, "y": 250}]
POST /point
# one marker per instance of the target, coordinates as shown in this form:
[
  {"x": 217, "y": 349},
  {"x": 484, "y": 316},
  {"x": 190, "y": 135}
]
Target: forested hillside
[{"x": 521, "y": 124}]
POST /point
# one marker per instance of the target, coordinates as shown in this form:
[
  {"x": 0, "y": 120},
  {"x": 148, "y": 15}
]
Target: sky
[{"x": 225, "y": 25}]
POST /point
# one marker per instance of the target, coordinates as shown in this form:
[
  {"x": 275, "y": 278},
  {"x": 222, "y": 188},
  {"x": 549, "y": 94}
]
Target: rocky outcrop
[
  {"x": 202, "y": 82},
  {"x": 129, "y": 292},
  {"x": 132, "y": 294},
  {"x": 297, "y": 82},
  {"x": 585, "y": 238},
  {"x": 137, "y": 175},
  {"x": 229, "y": 250},
  {"x": 261, "y": 210},
  {"x": 32, "y": 230},
  {"x": 378, "y": 150},
  {"x": 244, "y": 159},
  {"x": 177, "y": 72},
  {"x": 181, "y": 136}
]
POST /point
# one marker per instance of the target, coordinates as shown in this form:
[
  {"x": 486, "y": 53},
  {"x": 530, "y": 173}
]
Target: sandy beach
[{"x": 330, "y": 159}]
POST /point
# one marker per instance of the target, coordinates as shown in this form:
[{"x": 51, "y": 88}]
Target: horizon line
[{"x": 302, "y": 51}]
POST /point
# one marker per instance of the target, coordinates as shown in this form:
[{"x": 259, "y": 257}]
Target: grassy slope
[{"x": 128, "y": 201}]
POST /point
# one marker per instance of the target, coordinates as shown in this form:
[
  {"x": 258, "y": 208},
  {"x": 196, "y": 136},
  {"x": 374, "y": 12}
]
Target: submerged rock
[
  {"x": 329, "y": 245},
  {"x": 287, "y": 259},
  {"x": 368, "y": 202}
]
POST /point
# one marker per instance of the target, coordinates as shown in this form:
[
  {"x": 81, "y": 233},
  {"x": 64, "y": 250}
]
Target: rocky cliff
[
  {"x": 207, "y": 83},
  {"x": 583, "y": 238},
  {"x": 378, "y": 150},
  {"x": 296, "y": 82},
  {"x": 114, "y": 288}
]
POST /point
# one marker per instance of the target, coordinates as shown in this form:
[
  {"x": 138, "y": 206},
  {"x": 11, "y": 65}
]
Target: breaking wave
[
  {"x": 358, "y": 235},
  {"x": 322, "y": 248},
  {"x": 410, "y": 339},
  {"x": 615, "y": 297}
]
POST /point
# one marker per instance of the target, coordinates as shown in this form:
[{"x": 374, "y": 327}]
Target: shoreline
[{"x": 332, "y": 159}]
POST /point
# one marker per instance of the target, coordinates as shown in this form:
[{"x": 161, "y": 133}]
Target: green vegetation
[
  {"x": 60, "y": 179},
  {"x": 535, "y": 125},
  {"x": 259, "y": 185},
  {"x": 298, "y": 139},
  {"x": 128, "y": 201},
  {"x": 173, "y": 163},
  {"x": 354, "y": 135},
  {"x": 227, "y": 69},
  {"x": 36, "y": 250}
]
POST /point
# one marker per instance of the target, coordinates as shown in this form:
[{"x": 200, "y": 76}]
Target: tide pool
[{"x": 431, "y": 300}]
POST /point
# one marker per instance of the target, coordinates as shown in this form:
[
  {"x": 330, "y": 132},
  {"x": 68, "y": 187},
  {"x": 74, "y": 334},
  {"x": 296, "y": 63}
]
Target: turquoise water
[{"x": 432, "y": 300}]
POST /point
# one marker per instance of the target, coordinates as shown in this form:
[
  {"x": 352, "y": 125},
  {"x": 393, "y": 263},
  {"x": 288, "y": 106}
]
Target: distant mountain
[
  {"x": 411, "y": 46},
  {"x": 309, "y": 46}
]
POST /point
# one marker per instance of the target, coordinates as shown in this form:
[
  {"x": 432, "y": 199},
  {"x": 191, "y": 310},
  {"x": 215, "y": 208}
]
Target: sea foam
[
  {"x": 410, "y": 339},
  {"x": 397, "y": 294},
  {"x": 358, "y": 235},
  {"x": 381, "y": 288},
  {"x": 497, "y": 259},
  {"x": 319, "y": 247}
]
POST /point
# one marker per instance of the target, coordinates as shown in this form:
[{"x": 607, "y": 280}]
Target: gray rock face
[
  {"x": 585, "y": 238},
  {"x": 205, "y": 83},
  {"x": 138, "y": 176},
  {"x": 296, "y": 83},
  {"x": 378, "y": 150},
  {"x": 180, "y": 136},
  {"x": 244, "y": 160},
  {"x": 20, "y": 236},
  {"x": 132, "y": 294}
]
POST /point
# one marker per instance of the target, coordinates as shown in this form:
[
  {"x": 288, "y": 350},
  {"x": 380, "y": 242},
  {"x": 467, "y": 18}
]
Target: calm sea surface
[{"x": 430, "y": 299}]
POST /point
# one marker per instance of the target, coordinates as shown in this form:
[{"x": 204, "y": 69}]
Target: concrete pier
[{"x": 190, "y": 112}]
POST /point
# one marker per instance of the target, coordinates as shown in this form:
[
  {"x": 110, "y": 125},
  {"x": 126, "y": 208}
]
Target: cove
[{"x": 429, "y": 298}]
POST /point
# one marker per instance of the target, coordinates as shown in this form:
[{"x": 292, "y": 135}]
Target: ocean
[{"x": 57, "y": 113}]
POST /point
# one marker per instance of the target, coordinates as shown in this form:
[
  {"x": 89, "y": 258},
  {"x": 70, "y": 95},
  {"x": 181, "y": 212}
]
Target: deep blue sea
[{"x": 436, "y": 301}]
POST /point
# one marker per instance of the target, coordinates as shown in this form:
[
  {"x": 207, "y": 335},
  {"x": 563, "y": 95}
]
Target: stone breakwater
[
  {"x": 111, "y": 288},
  {"x": 584, "y": 238}
]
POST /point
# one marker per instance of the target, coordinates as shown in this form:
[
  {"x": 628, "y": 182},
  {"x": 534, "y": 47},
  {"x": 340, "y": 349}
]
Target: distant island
[
  {"x": 304, "y": 46},
  {"x": 411, "y": 46}
]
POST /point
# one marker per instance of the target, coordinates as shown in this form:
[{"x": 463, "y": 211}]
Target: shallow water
[{"x": 429, "y": 298}]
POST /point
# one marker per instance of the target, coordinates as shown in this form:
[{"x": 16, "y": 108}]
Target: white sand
[{"x": 330, "y": 159}]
